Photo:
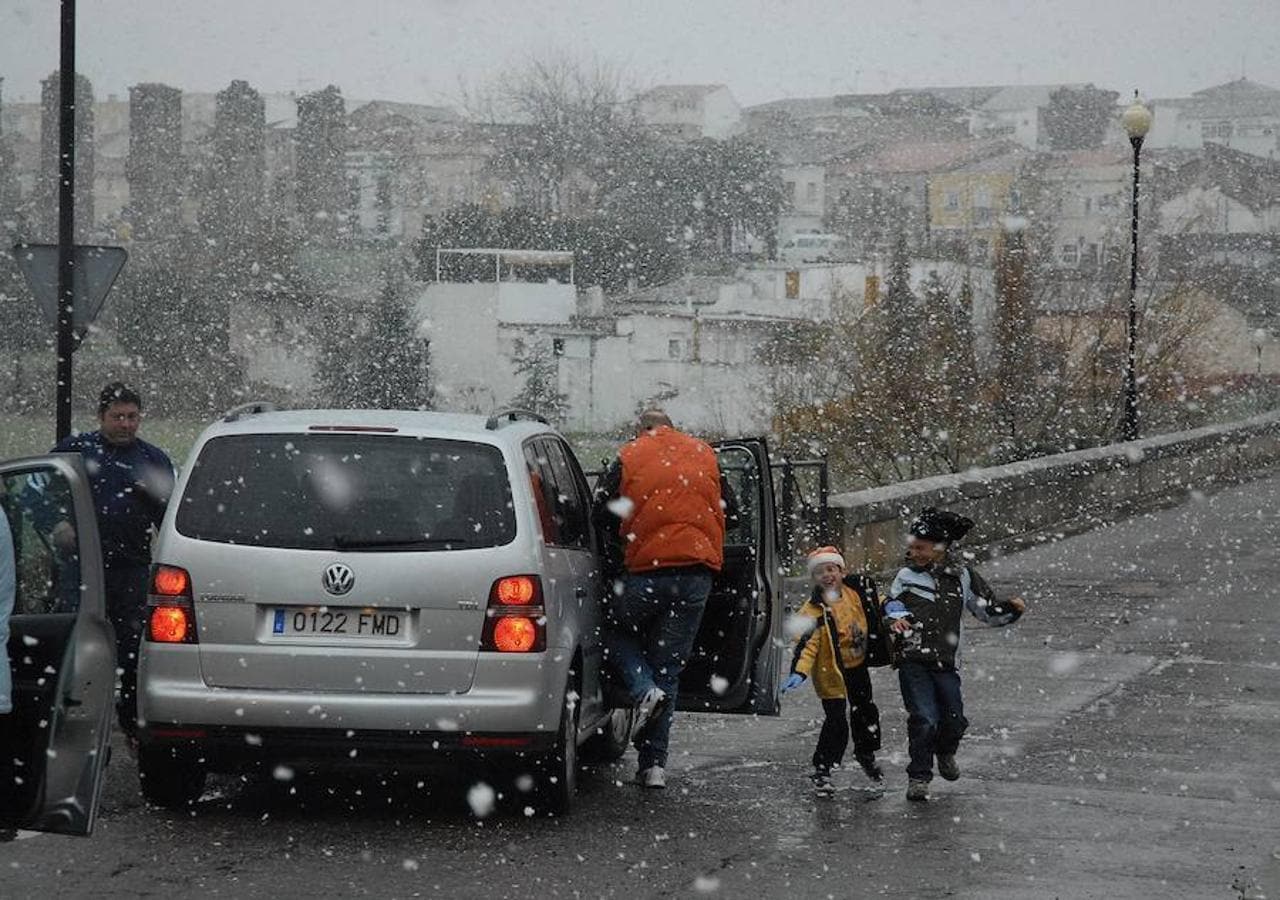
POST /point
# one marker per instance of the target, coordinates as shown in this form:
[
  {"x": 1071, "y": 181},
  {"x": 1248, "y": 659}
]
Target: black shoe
[
  {"x": 871, "y": 767},
  {"x": 947, "y": 766}
]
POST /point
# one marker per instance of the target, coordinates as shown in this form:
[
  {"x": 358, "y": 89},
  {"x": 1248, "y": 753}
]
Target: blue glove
[{"x": 794, "y": 680}]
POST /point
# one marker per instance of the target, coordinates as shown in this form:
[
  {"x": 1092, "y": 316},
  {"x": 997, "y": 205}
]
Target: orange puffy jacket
[{"x": 677, "y": 519}]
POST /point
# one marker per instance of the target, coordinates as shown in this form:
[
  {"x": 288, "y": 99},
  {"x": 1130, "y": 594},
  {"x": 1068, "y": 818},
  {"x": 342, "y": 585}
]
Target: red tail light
[
  {"x": 170, "y": 624},
  {"x": 171, "y": 616},
  {"x": 515, "y": 634},
  {"x": 515, "y": 621},
  {"x": 170, "y": 581},
  {"x": 518, "y": 590}
]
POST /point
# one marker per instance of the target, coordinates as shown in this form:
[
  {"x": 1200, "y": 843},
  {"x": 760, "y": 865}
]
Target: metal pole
[
  {"x": 66, "y": 215},
  {"x": 824, "y": 495},
  {"x": 1131, "y": 342}
]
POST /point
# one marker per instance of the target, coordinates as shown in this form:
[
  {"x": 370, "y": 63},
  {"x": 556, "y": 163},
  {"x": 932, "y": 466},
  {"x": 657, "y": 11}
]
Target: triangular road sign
[{"x": 95, "y": 268}]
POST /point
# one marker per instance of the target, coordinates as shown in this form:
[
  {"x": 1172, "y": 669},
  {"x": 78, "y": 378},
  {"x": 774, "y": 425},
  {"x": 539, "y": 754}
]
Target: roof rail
[
  {"x": 506, "y": 416},
  {"x": 252, "y": 408}
]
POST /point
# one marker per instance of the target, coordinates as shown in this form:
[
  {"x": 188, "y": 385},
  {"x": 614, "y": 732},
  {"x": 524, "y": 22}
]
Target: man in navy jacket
[{"x": 131, "y": 481}]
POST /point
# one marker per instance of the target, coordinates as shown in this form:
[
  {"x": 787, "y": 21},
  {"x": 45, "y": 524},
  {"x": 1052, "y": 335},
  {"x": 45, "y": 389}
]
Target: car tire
[
  {"x": 170, "y": 776},
  {"x": 612, "y": 737},
  {"x": 559, "y": 781}
]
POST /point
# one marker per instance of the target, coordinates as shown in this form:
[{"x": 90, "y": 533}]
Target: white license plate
[{"x": 339, "y": 622}]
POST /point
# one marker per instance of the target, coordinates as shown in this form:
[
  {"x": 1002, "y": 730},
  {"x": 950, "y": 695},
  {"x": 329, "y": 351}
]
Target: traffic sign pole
[{"x": 66, "y": 215}]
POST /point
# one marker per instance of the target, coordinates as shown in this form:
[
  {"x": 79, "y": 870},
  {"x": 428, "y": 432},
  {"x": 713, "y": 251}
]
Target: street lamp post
[{"x": 1137, "y": 122}]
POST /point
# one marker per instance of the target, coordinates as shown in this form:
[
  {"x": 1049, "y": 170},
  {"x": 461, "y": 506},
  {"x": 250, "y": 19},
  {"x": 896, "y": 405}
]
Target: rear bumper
[
  {"x": 228, "y": 749},
  {"x": 510, "y": 694}
]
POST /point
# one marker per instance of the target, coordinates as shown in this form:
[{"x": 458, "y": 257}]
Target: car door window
[
  {"x": 742, "y": 476},
  {"x": 542, "y": 479},
  {"x": 572, "y": 506},
  {"x": 40, "y": 514}
]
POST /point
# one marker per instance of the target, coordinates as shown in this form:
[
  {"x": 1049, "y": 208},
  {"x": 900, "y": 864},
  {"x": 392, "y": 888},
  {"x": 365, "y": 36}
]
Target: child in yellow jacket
[{"x": 844, "y": 637}]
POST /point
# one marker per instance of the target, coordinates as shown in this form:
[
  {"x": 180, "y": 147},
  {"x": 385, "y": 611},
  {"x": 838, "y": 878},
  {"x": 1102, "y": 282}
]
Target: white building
[
  {"x": 690, "y": 111},
  {"x": 1242, "y": 115},
  {"x": 1014, "y": 112},
  {"x": 1223, "y": 205},
  {"x": 805, "y": 193},
  {"x": 1090, "y": 193},
  {"x": 693, "y": 346}
]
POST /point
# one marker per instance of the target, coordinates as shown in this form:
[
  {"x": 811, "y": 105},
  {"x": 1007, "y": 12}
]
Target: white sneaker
[
  {"x": 650, "y": 707},
  {"x": 653, "y": 778}
]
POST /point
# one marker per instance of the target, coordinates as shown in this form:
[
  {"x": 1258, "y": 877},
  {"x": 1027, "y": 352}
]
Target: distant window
[
  {"x": 557, "y": 346},
  {"x": 1088, "y": 205},
  {"x": 951, "y": 200},
  {"x": 673, "y": 349},
  {"x": 811, "y": 191},
  {"x": 983, "y": 215},
  {"x": 1070, "y": 254},
  {"x": 791, "y": 188},
  {"x": 1015, "y": 200},
  {"x": 1215, "y": 130},
  {"x": 982, "y": 198},
  {"x": 793, "y": 284}
]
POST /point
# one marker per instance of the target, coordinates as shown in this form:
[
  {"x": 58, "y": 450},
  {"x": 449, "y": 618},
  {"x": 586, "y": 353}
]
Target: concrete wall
[
  {"x": 1064, "y": 492},
  {"x": 468, "y": 370}
]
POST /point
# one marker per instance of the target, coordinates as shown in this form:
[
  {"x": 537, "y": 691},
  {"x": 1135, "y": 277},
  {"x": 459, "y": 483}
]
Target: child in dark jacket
[
  {"x": 842, "y": 638},
  {"x": 926, "y": 604}
]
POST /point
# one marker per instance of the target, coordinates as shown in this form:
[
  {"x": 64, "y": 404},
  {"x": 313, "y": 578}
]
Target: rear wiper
[{"x": 345, "y": 542}]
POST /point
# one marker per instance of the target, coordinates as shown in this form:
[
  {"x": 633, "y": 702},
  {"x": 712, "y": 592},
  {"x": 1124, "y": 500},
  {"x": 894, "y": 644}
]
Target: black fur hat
[{"x": 933, "y": 524}]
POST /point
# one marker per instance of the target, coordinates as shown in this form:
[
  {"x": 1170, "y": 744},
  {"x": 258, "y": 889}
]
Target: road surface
[{"x": 1123, "y": 744}]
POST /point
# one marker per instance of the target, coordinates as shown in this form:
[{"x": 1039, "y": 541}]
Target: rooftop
[
  {"x": 679, "y": 91},
  {"x": 921, "y": 158}
]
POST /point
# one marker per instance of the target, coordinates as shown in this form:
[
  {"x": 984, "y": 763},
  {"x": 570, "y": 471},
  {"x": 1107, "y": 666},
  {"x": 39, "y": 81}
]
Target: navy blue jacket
[{"x": 131, "y": 487}]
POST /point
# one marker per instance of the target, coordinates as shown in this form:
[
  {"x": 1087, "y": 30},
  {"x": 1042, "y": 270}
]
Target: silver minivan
[{"x": 409, "y": 589}]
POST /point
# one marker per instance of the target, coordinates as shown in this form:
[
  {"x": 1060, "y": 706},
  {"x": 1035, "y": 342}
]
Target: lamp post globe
[{"x": 1136, "y": 119}]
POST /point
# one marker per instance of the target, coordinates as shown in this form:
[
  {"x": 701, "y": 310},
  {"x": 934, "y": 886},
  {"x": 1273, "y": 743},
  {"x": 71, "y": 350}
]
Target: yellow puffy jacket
[{"x": 815, "y": 653}]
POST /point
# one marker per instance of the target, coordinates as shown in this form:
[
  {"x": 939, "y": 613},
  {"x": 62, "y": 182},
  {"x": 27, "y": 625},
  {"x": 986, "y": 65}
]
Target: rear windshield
[{"x": 348, "y": 492}]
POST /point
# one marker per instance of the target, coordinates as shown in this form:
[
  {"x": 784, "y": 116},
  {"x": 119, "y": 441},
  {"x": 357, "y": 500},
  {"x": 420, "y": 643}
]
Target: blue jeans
[
  {"x": 650, "y": 635},
  {"x": 935, "y": 715}
]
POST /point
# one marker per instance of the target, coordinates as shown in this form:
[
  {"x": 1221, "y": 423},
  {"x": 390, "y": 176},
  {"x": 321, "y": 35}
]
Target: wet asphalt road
[{"x": 1122, "y": 745}]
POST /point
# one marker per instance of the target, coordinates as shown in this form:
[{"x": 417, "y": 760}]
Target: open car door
[
  {"x": 61, "y": 651},
  {"x": 737, "y": 657}
]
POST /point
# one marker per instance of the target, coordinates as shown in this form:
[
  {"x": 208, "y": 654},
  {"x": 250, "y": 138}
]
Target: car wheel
[
  {"x": 170, "y": 776},
  {"x": 611, "y": 739},
  {"x": 560, "y": 767}
]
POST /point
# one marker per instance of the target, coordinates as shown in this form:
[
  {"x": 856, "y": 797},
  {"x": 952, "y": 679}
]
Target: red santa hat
[{"x": 822, "y": 556}]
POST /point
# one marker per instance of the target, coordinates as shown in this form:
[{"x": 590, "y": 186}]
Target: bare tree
[{"x": 566, "y": 123}]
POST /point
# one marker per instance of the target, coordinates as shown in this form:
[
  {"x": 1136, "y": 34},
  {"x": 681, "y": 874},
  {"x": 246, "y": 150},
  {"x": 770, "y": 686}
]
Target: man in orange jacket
[{"x": 665, "y": 487}]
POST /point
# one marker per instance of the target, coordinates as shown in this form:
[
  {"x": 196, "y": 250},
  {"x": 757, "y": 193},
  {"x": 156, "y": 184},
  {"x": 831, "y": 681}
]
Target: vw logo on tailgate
[{"x": 338, "y": 579}]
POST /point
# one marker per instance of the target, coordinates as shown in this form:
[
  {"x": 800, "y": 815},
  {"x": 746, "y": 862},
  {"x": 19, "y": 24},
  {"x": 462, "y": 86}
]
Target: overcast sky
[{"x": 422, "y": 50}]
